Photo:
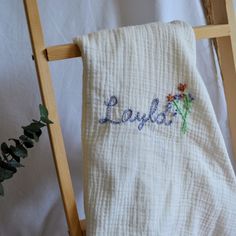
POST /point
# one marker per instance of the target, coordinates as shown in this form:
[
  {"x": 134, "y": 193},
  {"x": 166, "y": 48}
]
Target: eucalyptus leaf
[
  {"x": 46, "y": 120},
  {"x": 15, "y": 164},
  {"x": 8, "y": 174},
  {"x": 33, "y": 131},
  {"x": 4, "y": 157},
  {"x": 37, "y": 135},
  {"x": 33, "y": 127},
  {"x": 33, "y": 135},
  {"x": 39, "y": 124},
  {"x": 29, "y": 134},
  {"x": 12, "y": 153},
  {"x": 5, "y": 174},
  {"x": 44, "y": 115},
  {"x": 17, "y": 142},
  {"x": 19, "y": 151},
  {"x": 7, "y": 166},
  {"x": 24, "y": 138},
  {"x": 1, "y": 190},
  {"x": 43, "y": 111},
  {"x": 4, "y": 148},
  {"x": 28, "y": 143}
]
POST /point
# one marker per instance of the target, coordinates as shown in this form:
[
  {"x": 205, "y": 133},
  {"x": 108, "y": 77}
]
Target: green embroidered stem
[
  {"x": 178, "y": 109},
  {"x": 182, "y": 103},
  {"x": 186, "y": 106},
  {"x": 184, "y": 124}
]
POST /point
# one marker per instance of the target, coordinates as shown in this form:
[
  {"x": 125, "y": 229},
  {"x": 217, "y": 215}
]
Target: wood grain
[
  {"x": 222, "y": 12},
  {"x": 55, "y": 134}
]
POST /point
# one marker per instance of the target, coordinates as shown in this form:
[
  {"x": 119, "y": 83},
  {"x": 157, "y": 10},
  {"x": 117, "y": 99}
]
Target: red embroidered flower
[
  {"x": 170, "y": 98},
  {"x": 182, "y": 87}
]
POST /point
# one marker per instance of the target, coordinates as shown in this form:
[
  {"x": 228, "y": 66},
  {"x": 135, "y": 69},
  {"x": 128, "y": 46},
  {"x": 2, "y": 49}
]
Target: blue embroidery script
[
  {"x": 128, "y": 115},
  {"x": 179, "y": 103}
]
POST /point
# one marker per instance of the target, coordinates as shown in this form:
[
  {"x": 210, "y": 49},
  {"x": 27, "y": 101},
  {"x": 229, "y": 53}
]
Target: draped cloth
[{"x": 155, "y": 162}]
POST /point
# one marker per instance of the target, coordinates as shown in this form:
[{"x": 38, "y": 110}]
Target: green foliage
[
  {"x": 1, "y": 190},
  {"x": 44, "y": 115},
  {"x": 12, "y": 155}
]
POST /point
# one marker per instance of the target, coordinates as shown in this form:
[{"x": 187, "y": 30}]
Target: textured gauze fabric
[{"x": 155, "y": 162}]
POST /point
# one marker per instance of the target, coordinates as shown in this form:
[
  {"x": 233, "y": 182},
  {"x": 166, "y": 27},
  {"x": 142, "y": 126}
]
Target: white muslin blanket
[{"x": 155, "y": 162}]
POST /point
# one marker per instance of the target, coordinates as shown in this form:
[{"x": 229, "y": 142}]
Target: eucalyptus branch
[{"x": 18, "y": 150}]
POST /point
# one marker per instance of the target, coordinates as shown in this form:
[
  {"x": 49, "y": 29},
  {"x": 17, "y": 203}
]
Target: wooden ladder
[{"x": 223, "y": 28}]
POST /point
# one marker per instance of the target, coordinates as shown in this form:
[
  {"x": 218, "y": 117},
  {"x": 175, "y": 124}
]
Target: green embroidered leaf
[{"x": 1, "y": 190}]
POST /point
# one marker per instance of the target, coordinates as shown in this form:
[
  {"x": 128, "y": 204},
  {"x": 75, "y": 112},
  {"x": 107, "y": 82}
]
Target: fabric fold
[{"x": 155, "y": 162}]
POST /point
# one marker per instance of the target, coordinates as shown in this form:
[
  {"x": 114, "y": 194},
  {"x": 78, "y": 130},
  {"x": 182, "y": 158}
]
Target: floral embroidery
[
  {"x": 182, "y": 87},
  {"x": 177, "y": 104},
  {"x": 182, "y": 103},
  {"x": 170, "y": 98}
]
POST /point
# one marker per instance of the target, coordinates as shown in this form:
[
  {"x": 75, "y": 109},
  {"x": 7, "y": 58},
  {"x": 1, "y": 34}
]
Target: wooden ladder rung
[{"x": 66, "y": 51}]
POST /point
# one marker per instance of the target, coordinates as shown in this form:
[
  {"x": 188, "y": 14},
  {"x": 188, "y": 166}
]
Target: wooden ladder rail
[
  {"x": 223, "y": 12},
  {"x": 55, "y": 133},
  {"x": 225, "y": 32}
]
